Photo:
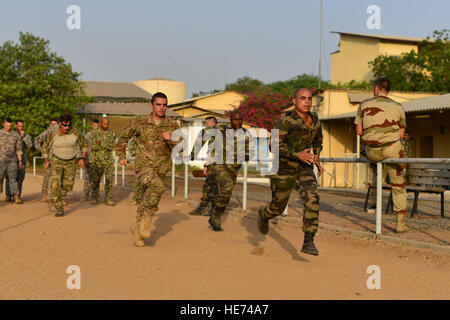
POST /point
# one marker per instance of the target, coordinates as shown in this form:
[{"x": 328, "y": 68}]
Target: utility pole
[{"x": 320, "y": 58}]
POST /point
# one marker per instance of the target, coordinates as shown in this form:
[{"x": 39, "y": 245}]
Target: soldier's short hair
[
  {"x": 8, "y": 120},
  {"x": 53, "y": 120},
  {"x": 383, "y": 83},
  {"x": 65, "y": 118},
  {"x": 20, "y": 120},
  {"x": 211, "y": 118},
  {"x": 158, "y": 95},
  {"x": 95, "y": 121},
  {"x": 236, "y": 111},
  {"x": 298, "y": 90}
]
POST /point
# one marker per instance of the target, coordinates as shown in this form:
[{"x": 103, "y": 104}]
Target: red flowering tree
[{"x": 262, "y": 107}]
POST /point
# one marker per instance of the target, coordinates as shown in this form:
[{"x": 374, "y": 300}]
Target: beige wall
[
  {"x": 351, "y": 62},
  {"x": 224, "y": 101},
  {"x": 175, "y": 90}
]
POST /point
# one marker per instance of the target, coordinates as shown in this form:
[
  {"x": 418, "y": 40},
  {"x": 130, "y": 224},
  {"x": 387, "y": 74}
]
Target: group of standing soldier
[{"x": 379, "y": 120}]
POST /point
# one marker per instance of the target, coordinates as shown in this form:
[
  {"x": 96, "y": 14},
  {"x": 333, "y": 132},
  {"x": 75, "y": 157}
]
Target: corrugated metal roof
[
  {"x": 427, "y": 104},
  {"x": 358, "y": 97},
  {"x": 115, "y": 90},
  {"x": 127, "y": 109},
  {"x": 339, "y": 116}
]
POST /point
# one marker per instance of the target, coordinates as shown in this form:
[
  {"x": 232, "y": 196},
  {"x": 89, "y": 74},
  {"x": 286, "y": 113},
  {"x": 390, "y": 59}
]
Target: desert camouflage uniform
[
  {"x": 62, "y": 171},
  {"x": 38, "y": 143},
  {"x": 381, "y": 119},
  {"x": 224, "y": 174},
  {"x": 294, "y": 137},
  {"x": 138, "y": 187},
  {"x": 10, "y": 148},
  {"x": 87, "y": 186},
  {"x": 153, "y": 158},
  {"x": 210, "y": 189},
  {"x": 27, "y": 143},
  {"x": 102, "y": 143}
]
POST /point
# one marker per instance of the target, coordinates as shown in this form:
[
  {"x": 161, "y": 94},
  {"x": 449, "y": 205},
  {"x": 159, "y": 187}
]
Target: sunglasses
[{"x": 66, "y": 125}]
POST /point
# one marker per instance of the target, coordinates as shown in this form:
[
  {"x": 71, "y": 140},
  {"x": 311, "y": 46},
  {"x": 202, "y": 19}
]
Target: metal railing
[{"x": 379, "y": 166}]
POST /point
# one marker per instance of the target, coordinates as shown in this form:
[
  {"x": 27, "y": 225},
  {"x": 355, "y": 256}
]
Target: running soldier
[
  {"x": 10, "y": 159},
  {"x": 381, "y": 123},
  {"x": 27, "y": 143},
  {"x": 152, "y": 162},
  {"x": 65, "y": 143},
  {"x": 210, "y": 189},
  {"x": 38, "y": 142},
  {"x": 101, "y": 160},
  {"x": 225, "y": 172},
  {"x": 300, "y": 132}
]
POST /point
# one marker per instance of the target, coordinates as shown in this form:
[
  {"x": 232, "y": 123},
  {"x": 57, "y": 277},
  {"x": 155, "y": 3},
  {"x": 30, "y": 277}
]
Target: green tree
[
  {"x": 244, "y": 84},
  {"x": 36, "y": 84},
  {"x": 425, "y": 70}
]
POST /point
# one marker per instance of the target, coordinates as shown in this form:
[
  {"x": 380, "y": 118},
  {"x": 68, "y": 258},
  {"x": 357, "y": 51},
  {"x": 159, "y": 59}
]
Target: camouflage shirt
[
  {"x": 381, "y": 119},
  {"x": 40, "y": 139},
  {"x": 200, "y": 141},
  {"x": 295, "y": 136},
  {"x": 27, "y": 143},
  {"x": 102, "y": 143},
  {"x": 239, "y": 155},
  {"x": 65, "y": 146},
  {"x": 10, "y": 145},
  {"x": 152, "y": 149}
]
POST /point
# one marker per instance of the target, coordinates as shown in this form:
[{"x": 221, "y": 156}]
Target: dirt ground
[{"x": 185, "y": 259}]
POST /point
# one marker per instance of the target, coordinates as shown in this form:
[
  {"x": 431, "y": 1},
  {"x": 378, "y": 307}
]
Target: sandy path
[{"x": 184, "y": 259}]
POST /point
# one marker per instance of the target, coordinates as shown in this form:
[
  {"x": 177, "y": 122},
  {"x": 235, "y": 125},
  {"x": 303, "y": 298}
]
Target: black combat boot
[
  {"x": 263, "y": 224},
  {"x": 214, "y": 221},
  {"x": 200, "y": 209},
  {"x": 59, "y": 214},
  {"x": 308, "y": 244}
]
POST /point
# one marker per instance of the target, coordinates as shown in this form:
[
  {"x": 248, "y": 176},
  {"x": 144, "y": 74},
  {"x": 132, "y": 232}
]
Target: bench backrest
[{"x": 429, "y": 175}]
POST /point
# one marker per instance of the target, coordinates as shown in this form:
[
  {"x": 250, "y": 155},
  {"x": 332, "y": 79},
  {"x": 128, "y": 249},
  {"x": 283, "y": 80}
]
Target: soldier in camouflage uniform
[
  {"x": 27, "y": 143},
  {"x": 299, "y": 132},
  {"x": 138, "y": 187},
  {"x": 225, "y": 172},
  {"x": 102, "y": 143},
  {"x": 152, "y": 162},
  {"x": 87, "y": 187},
  {"x": 10, "y": 155},
  {"x": 381, "y": 122},
  {"x": 65, "y": 143},
  {"x": 38, "y": 142},
  {"x": 210, "y": 188}
]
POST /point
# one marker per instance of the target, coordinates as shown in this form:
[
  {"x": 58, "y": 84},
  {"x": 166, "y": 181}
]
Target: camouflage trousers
[
  {"x": 138, "y": 191},
  {"x": 87, "y": 187},
  {"x": 19, "y": 179},
  {"x": 225, "y": 178},
  {"x": 8, "y": 172},
  {"x": 44, "y": 189},
  {"x": 396, "y": 173},
  {"x": 152, "y": 183},
  {"x": 62, "y": 177},
  {"x": 210, "y": 191},
  {"x": 97, "y": 171},
  {"x": 304, "y": 181}
]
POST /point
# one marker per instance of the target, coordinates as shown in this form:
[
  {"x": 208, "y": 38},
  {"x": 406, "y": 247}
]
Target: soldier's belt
[
  {"x": 386, "y": 144},
  {"x": 58, "y": 158}
]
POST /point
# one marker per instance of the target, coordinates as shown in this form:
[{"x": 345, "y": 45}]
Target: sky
[{"x": 209, "y": 43}]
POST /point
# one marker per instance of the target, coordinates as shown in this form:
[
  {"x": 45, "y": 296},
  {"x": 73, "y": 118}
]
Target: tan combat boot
[
  {"x": 138, "y": 240},
  {"x": 145, "y": 225},
  {"x": 44, "y": 198},
  {"x": 17, "y": 199},
  {"x": 110, "y": 202},
  {"x": 401, "y": 227}
]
